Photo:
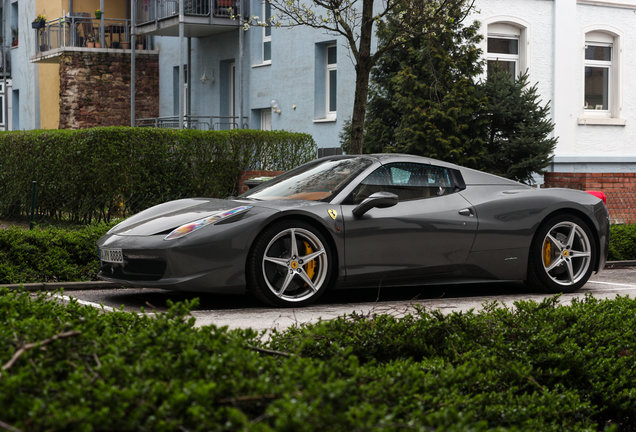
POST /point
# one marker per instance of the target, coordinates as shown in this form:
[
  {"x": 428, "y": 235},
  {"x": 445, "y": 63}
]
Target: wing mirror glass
[{"x": 378, "y": 199}]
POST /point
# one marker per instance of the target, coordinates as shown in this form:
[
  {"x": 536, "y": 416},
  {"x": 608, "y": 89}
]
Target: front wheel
[
  {"x": 290, "y": 264},
  {"x": 563, "y": 254}
]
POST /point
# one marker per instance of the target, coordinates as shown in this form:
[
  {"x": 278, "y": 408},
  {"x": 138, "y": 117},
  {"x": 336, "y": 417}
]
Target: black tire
[
  {"x": 563, "y": 255},
  {"x": 290, "y": 264}
]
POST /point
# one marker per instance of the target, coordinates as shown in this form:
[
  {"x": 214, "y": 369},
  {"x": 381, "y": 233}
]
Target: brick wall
[
  {"x": 95, "y": 88},
  {"x": 620, "y": 189},
  {"x": 246, "y": 175}
]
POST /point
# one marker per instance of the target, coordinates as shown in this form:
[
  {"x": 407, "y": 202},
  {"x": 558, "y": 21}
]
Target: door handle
[{"x": 466, "y": 212}]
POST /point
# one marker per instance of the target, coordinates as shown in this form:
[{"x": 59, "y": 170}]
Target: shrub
[
  {"x": 100, "y": 173},
  {"x": 622, "y": 242},
  {"x": 538, "y": 366},
  {"x": 49, "y": 255}
]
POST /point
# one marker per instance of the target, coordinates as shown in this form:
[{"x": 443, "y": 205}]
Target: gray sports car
[{"x": 362, "y": 221}]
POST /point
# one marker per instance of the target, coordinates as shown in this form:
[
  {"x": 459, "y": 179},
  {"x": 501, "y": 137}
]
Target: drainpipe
[
  {"x": 101, "y": 25},
  {"x": 189, "y": 79},
  {"x": 181, "y": 80},
  {"x": 133, "y": 19},
  {"x": 5, "y": 26},
  {"x": 240, "y": 64}
]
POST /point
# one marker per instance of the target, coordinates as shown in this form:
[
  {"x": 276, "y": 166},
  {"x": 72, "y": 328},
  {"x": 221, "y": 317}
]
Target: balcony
[
  {"x": 194, "y": 122},
  {"x": 201, "y": 17},
  {"x": 80, "y": 31}
]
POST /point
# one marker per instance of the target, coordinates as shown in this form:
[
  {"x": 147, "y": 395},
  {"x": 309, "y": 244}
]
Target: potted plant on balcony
[
  {"x": 39, "y": 22},
  {"x": 98, "y": 14},
  {"x": 90, "y": 41}
]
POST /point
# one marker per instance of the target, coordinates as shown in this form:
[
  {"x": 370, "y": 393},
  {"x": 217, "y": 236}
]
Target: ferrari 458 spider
[{"x": 362, "y": 221}]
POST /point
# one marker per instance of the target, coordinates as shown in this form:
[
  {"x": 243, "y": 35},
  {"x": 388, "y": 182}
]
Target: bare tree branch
[{"x": 39, "y": 344}]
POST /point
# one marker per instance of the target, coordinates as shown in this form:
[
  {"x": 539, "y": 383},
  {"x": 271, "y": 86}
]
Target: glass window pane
[
  {"x": 601, "y": 53},
  {"x": 267, "y": 51},
  {"x": 332, "y": 90},
  {"x": 508, "y": 66},
  {"x": 503, "y": 45},
  {"x": 331, "y": 55},
  {"x": 596, "y": 88},
  {"x": 268, "y": 17}
]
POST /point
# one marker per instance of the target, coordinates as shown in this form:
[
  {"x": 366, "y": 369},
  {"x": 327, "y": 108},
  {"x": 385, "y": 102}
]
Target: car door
[{"x": 427, "y": 234}]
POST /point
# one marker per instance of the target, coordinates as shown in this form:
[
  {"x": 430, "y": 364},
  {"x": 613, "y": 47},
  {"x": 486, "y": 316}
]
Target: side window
[{"x": 409, "y": 181}]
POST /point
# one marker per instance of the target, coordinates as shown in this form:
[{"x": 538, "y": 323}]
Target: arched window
[
  {"x": 506, "y": 48},
  {"x": 601, "y": 74}
]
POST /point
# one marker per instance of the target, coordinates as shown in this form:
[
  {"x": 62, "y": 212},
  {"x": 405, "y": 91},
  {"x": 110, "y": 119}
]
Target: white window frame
[
  {"x": 329, "y": 68},
  {"x": 602, "y": 36},
  {"x": 267, "y": 38},
  {"x": 509, "y": 58},
  {"x": 601, "y": 64}
]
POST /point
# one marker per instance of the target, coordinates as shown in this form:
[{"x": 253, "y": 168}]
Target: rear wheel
[
  {"x": 563, "y": 255},
  {"x": 290, "y": 264}
]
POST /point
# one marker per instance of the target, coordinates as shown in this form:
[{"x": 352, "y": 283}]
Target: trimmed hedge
[
  {"x": 538, "y": 366},
  {"x": 50, "y": 255},
  {"x": 622, "y": 242},
  {"x": 61, "y": 254},
  {"x": 100, "y": 173}
]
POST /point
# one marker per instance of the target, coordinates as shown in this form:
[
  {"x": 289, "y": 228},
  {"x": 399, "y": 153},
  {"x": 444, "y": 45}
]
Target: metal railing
[
  {"x": 83, "y": 31},
  {"x": 152, "y": 10},
  {"x": 194, "y": 122}
]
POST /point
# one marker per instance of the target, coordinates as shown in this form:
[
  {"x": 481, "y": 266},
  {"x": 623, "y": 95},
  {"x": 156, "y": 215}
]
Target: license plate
[{"x": 111, "y": 255}]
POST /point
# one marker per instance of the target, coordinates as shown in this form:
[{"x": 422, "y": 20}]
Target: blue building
[{"x": 237, "y": 73}]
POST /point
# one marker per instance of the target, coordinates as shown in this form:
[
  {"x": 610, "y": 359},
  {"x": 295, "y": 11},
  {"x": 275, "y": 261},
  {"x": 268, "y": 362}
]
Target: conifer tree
[{"x": 519, "y": 129}]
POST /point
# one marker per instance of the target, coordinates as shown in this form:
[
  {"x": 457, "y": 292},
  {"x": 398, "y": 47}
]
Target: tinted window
[
  {"x": 315, "y": 181},
  {"x": 409, "y": 181}
]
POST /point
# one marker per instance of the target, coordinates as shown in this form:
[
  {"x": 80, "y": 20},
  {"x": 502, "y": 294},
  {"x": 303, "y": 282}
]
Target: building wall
[
  {"x": 556, "y": 48},
  {"x": 95, "y": 88}
]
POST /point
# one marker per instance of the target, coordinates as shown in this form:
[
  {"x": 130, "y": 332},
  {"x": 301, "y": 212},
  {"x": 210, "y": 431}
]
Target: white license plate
[{"x": 111, "y": 255}]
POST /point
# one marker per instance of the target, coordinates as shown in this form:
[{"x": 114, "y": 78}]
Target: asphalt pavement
[{"x": 242, "y": 311}]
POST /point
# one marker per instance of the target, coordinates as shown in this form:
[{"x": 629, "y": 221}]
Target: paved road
[{"x": 243, "y": 311}]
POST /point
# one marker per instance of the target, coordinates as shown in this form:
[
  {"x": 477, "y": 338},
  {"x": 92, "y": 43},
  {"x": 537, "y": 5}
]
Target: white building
[{"x": 581, "y": 53}]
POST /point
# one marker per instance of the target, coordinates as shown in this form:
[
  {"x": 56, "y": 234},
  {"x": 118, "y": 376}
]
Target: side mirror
[{"x": 378, "y": 199}]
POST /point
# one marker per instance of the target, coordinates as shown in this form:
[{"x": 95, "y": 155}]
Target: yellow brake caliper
[
  {"x": 310, "y": 267},
  {"x": 547, "y": 253}
]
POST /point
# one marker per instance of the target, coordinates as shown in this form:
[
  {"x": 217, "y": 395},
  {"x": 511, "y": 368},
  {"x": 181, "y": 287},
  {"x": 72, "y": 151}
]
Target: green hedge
[
  {"x": 61, "y": 254},
  {"x": 622, "y": 242},
  {"x": 539, "y": 367},
  {"x": 49, "y": 255},
  {"x": 95, "y": 174}
]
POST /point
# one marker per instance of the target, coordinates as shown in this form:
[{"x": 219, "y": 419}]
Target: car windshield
[{"x": 316, "y": 181}]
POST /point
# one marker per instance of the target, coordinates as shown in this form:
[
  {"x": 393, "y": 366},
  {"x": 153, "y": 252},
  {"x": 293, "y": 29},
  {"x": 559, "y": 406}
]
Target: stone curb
[{"x": 74, "y": 286}]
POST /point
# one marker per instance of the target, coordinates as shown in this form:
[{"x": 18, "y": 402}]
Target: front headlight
[{"x": 188, "y": 228}]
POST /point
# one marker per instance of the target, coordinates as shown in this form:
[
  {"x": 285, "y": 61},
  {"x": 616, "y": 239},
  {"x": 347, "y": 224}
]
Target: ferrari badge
[{"x": 333, "y": 214}]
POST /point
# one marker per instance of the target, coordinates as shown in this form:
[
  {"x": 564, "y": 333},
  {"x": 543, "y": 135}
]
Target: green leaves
[
  {"x": 102, "y": 173},
  {"x": 537, "y": 366}
]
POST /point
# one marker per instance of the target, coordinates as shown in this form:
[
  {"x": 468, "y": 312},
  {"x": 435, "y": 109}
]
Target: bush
[
  {"x": 622, "y": 242},
  {"x": 100, "y": 173},
  {"x": 49, "y": 255},
  {"x": 539, "y": 366}
]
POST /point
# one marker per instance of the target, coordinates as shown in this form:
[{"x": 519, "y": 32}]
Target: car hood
[{"x": 163, "y": 218}]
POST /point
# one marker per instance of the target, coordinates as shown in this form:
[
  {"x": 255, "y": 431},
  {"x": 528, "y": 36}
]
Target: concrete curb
[
  {"x": 75, "y": 286},
  {"x": 68, "y": 286}
]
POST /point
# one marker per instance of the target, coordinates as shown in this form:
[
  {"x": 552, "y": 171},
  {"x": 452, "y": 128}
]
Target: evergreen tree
[
  {"x": 518, "y": 139},
  {"x": 424, "y": 100}
]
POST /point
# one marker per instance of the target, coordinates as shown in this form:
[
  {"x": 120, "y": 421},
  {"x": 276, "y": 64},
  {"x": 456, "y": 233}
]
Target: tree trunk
[
  {"x": 359, "y": 108},
  {"x": 364, "y": 63}
]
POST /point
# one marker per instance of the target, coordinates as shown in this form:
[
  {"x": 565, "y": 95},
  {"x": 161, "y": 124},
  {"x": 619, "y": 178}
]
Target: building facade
[{"x": 213, "y": 68}]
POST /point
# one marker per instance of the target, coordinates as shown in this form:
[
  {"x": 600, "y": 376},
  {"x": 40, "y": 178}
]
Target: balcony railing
[
  {"x": 195, "y": 122},
  {"x": 152, "y": 10},
  {"x": 83, "y": 31}
]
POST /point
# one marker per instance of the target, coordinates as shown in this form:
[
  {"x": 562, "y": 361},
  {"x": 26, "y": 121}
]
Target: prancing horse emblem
[{"x": 333, "y": 214}]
